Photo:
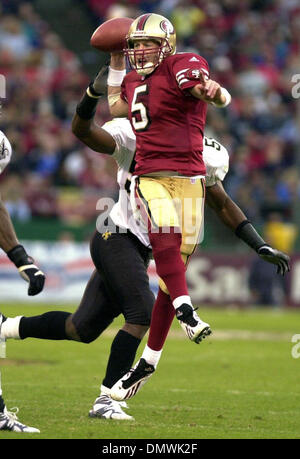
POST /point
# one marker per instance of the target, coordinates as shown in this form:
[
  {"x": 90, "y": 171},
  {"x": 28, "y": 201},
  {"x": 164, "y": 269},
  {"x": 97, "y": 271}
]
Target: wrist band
[
  {"x": 249, "y": 235},
  {"x": 19, "y": 256},
  {"x": 115, "y": 77},
  {"x": 92, "y": 93},
  {"x": 86, "y": 108},
  {"x": 227, "y": 96}
]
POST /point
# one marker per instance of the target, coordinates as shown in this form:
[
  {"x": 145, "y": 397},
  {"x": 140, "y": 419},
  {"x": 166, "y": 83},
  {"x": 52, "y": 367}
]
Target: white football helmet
[
  {"x": 152, "y": 27},
  {"x": 5, "y": 151}
]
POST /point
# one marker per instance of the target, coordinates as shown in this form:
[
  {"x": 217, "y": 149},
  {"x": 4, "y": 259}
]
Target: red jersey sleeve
[{"x": 185, "y": 69}]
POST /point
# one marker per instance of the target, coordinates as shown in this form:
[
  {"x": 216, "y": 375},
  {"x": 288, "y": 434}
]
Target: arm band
[
  {"x": 19, "y": 256},
  {"x": 115, "y": 77},
  {"x": 86, "y": 108},
  {"x": 249, "y": 235}
]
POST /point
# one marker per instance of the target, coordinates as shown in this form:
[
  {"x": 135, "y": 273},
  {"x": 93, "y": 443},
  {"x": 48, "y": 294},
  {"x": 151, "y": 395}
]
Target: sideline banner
[
  {"x": 221, "y": 279},
  {"x": 67, "y": 266}
]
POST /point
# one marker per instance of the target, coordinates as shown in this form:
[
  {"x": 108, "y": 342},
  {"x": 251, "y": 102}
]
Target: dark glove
[
  {"x": 276, "y": 257},
  {"x": 99, "y": 85},
  {"x": 86, "y": 108},
  {"x": 27, "y": 269}
]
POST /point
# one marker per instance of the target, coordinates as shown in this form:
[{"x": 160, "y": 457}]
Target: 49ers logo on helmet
[{"x": 166, "y": 27}]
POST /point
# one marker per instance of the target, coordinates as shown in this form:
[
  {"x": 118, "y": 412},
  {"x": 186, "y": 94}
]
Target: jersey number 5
[{"x": 139, "y": 112}]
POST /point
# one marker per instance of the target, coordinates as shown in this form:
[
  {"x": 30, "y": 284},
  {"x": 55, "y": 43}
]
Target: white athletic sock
[
  {"x": 152, "y": 357},
  {"x": 182, "y": 299},
  {"x": 10, "y": 328},
  {"x": 104, "y": 390}
]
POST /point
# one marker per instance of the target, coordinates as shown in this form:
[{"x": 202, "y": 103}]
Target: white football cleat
[
  {"x": 195, "y": 329},
  {"x": 131, "y": 383},
  {"x": 9, "y": 421},
  {"x": 106, "y": 408}
]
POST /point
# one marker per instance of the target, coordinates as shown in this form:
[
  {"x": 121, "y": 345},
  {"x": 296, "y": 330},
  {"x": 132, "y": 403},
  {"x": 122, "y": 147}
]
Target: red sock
[
  {"x": 162, "y": 317},
  {"x": 169, "y": 264}
]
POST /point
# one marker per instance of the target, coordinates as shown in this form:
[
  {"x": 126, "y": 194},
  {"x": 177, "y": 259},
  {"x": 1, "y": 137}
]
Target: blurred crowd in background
[{"x": 253, "y": 49}]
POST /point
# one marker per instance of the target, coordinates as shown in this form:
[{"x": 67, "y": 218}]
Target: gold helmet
[{"x": 152, "y": 27}]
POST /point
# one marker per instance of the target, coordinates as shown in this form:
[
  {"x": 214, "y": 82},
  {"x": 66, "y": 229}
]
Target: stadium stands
[{"x": 252, "y": 47}]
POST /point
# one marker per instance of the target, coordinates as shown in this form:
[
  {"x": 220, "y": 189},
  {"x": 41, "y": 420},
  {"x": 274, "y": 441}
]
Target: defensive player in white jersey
[
  {"x": 121, "y": 255},
  {"x": 31, "y": 273}
]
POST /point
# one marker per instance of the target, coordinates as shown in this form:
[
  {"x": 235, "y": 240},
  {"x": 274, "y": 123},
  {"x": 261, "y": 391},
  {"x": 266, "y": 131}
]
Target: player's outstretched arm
[
  {"x": 17, "y": 254},
  {"x": 210, "y": 91},
  {"x": 233, "y": 217}
]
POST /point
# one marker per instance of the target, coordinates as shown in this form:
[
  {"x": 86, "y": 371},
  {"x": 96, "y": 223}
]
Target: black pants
[{"x": 119, "y": 284}]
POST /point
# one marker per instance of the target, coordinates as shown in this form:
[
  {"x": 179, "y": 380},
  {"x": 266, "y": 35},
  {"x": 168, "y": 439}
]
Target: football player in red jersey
[
  {"x": 122, "y": 258},
  {"x": 165, "y": 97}
]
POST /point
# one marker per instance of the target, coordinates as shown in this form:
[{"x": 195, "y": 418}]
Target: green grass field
[{"x": 242, "y": 382}]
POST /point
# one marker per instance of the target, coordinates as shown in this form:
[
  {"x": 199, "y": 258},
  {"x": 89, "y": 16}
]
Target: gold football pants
[{"x": 177, "y": 202}]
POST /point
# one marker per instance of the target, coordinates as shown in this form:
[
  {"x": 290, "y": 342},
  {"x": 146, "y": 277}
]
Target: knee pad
[
  {"x": 88, "y": 337},
  {"x": 141, "y": 314},
  {"x": 88, "y": 331}
]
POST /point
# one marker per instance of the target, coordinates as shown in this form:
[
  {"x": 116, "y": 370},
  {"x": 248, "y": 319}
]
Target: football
[{"x": 110, "y": 36}]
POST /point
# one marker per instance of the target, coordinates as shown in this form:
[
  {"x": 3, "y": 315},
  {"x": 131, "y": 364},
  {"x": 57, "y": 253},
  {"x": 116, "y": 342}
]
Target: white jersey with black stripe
[{"x": 215, "y": 157}]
